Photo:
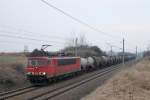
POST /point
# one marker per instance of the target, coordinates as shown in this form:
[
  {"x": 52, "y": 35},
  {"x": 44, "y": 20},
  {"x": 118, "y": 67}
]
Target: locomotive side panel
[{"x": 67, "y": 65}]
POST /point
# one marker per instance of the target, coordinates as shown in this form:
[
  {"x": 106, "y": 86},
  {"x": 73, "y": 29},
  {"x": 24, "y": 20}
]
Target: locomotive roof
[{"x": 64, "y": 57}]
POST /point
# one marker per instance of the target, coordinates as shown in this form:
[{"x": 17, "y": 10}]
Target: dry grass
[
  {"x": 130, "y": 84},
  {"x": 12, "y": 71}
]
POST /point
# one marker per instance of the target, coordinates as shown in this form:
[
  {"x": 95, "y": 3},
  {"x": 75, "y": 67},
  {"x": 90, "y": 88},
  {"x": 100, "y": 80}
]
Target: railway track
[
  {"x": 53, "y": 93},
  {"x": 16, "y": 92},
  {"x": 49, "y": 92}
]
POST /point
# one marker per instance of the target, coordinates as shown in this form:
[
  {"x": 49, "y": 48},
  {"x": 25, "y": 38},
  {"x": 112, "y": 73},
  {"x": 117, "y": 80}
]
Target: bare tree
[
  {"x": 70, "y": 42},
  {"x": 82, "y": 40}
]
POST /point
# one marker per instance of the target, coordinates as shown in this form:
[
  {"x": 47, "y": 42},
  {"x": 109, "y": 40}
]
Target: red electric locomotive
[{"x": 42, "y": 69}]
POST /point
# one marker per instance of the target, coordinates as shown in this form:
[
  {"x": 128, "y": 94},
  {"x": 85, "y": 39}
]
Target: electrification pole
[
  {"x": 123, "y": 52},
  {"x": 136, "y": 51},
  {"x": 111, "y": 50},
  {"x": 76, "y": 52}
]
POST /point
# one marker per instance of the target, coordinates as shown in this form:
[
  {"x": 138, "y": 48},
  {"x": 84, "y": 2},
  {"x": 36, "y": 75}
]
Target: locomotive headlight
[
  {"x": 44, "y": 73},
  {"x": 28, "y": 73}
]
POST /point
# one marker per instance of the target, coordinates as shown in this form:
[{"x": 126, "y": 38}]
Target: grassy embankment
[{"x": 132, "y": 83}]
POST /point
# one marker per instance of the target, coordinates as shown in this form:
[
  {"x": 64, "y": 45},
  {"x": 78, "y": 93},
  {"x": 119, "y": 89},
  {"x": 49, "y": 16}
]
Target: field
[
  {"x": 12, "y": 71},
  {"x": 130, "y": 84},
  {"x": 9, "y": 60}
]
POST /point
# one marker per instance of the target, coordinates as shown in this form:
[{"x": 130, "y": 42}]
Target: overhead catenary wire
[
  {"x": 25, "y": 43},
  {"x": 19, "y": 33},
  {"x": 74, "y": 18},
  {"x": 27, "y": 38},
  {"x": 20, "y": 42},
  {"x": 78, "y": 20},
  {"x": 22, "y": 31},
  {"x": 47, "y": 36}
]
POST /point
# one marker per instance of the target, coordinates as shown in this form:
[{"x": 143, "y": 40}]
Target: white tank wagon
[
  {"x": 112, "y": 59},
  {"x": 87, "y": 63},
  {"x": 105, "y": 61},
  {"x": 120, "y": 59},
  {"x": 84, "y": 63},
  {"x": 115, "y": 58},
  {"x": 94, "y": 62},
  {"x": 91, "y": 62},
  {"x": 99, "y": 61}
]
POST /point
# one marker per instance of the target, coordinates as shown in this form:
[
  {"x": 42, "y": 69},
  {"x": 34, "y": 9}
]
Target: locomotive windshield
[{"x": 34, "y": 62}]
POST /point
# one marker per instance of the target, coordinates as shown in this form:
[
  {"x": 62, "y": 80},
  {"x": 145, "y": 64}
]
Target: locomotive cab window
[
  {"x": 33, "y": 62},
  {"x": 66, "y": 61}
]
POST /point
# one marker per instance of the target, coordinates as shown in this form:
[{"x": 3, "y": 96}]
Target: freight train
[{"x": 42, "y": 69}]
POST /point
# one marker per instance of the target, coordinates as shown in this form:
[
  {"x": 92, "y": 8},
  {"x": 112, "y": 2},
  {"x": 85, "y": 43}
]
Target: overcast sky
[{"x": 34, "y": 19}]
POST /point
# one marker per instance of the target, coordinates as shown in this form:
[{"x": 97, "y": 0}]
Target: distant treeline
[
  {"x": 12, "y": 54},
  {"x": 82, "y": 51}
]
